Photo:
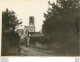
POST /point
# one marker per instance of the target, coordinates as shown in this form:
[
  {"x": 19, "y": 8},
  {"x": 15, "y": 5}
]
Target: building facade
[
  {"x": 28, "y": 32},
  {"x": 31, "y": 28}
]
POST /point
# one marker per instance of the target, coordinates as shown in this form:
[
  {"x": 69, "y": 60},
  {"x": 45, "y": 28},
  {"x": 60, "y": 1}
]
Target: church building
[{"x": 31, "y": 27}]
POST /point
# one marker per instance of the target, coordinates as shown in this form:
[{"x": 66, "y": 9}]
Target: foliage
[
  {"x": 9, "y": 36},
  {"x": 59, "y": 13},
  {"x": 9, "y": 20},
  {"x": 61, "y": 24}
]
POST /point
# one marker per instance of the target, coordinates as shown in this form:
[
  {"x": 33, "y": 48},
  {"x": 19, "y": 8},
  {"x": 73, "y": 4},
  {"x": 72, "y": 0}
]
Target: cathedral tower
[
  {"x": 31, "y": 24},
  {"x": 31, "y": 20}
]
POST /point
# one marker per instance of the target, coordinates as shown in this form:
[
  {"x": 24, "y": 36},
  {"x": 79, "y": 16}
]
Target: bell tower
[
  {"x": 31, "y": 24},
  {"x": 31, "y": 20}
]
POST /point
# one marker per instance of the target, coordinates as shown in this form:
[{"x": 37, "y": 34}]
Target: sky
[
  {"x": 42, "y": 59},
  {"x": 26, "y": 8}
]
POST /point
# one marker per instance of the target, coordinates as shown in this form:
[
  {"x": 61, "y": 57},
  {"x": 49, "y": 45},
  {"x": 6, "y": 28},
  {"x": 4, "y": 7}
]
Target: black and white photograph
[{"x": 40, "y": 28}]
